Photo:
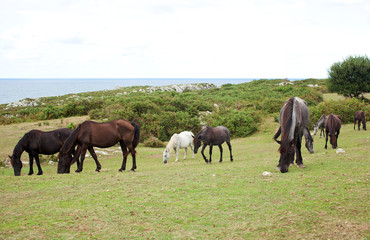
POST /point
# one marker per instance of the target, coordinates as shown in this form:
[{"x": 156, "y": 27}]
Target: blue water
[{"x": 13, "y": 90}]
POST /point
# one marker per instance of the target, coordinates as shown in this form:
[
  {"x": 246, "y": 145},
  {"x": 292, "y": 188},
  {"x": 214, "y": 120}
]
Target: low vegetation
[{"x": 241, "y": 107}]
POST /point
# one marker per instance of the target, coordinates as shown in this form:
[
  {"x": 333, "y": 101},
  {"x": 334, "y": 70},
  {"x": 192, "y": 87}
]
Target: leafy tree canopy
[{"x": 351, "y": 77}]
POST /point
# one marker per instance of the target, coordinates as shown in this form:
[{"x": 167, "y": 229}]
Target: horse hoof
[
  {"x": 30, "y": 173},
  {"x": 301, "y": 165},
  {"x": 77, "y": 171},
  {"x": 132, "y": 170},
  {"x": 120, "y": 170},
  {"x": 40, "y": 173},
  {"x": 97, "y": 170}
]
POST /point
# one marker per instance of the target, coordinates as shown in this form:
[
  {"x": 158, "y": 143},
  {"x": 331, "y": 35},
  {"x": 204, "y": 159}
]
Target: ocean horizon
[{"x": 16, "y": 89}]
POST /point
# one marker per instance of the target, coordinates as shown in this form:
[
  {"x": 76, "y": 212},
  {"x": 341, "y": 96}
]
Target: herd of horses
[{"x": 293, "y": 119}]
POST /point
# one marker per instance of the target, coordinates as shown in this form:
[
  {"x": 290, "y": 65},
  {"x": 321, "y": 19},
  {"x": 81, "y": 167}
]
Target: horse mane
[
  {"x": 172, "y": 141},
  {"x": 70, "y": 141},
  {"x": 288, "y": 121}
]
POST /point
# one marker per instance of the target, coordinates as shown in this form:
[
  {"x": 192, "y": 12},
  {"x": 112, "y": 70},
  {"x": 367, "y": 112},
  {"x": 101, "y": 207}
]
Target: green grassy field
[{"x": 192, "y": 200}]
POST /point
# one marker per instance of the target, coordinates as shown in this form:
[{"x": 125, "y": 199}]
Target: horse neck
[
  {"x": 171, "y": 143},
  {"x": 19, "y": 148},
  {"x": 70, "y": 142}
]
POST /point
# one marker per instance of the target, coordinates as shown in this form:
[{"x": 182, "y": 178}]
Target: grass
[
  {"x": 335, "y": 97},
  {"x": 192, "y": 200}
]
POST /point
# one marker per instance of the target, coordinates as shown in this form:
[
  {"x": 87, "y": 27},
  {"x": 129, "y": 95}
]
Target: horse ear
[{"x": 10, "y": 156}]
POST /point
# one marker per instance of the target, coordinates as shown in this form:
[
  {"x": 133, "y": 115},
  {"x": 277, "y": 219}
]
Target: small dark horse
[
  {"x": 90, "y": 134},
  {"x": 294, "y": 118},
  {"x": 359, "y": 117},
  {"x": 333, "y": 124},
  {"x": 212, "y": 136},
  {"x": 320, "y": 124},
  {"x": 37, "y": 142}
]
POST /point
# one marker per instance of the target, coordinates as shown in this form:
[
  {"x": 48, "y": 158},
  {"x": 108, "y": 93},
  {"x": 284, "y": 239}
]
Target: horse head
[
  {"x": 197, "y": 143},
  {"x": 315, "y": 129},
  {"x": 64, "y": 162},
  {"x": 16, "y": 164},
  {"x": 286, "y": 155},
  {"x": 166, "y": 155}
]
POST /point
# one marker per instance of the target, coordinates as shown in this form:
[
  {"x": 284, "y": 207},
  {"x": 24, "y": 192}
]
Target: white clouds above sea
[{"x": 163, "y": 38}]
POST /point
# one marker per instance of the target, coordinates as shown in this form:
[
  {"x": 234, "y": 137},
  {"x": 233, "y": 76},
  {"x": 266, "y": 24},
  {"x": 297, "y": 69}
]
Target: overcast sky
[{"x": 180, "y": 38}]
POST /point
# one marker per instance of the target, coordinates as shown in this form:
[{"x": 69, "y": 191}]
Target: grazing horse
[
  {"x": 320, "y": 124},
  {"x": 91, "y": 134},
  {"x": 333, "y": 124},
  {"x": 37, "y": 142},
  {"x": 294, "y": 118},
  {"x": 360, "y": 117},
  {"x": 177, "y": 141},
  {"x": 212, "y": 136}
]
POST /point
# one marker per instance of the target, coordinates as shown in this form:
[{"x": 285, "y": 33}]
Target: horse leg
[
  {"x": 38, "y": 163},
  {"x": 205, "y": 159},
  {"x": 220, "y": 147},
  {"x": 93, "y": 154},
  {"x": 210, "y": 152},
  {"x": 186, "y": 153},
  {"x": 124, "y": 153},
  {"x": 299, "y": 159},
  {"x": 231, "y": 154},
  {"x": 83, "y": 153},
  {"x": 192, "y": 150},
  {"x": 359, "y": 125},
  {"x": 177, "y": 153},
  {"x": 354, "y": 124},
  {"x": 326, "y": 142},
  {"x": 336, "y": 142},
  {"x": 31, "y": 163},
  {"x": 133, "y": 155}
]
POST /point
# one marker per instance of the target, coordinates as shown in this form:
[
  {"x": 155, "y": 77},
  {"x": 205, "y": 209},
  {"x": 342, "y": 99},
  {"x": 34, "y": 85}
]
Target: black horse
[
  {"x": 37, "y": 142},
  {"x": 359, "y": 117},
  {"x": 91, "y": 134},
  {"x": 294, "y": 118},
  {"x": 333, "y": 124},
  {"x": 212, "y": 136}
]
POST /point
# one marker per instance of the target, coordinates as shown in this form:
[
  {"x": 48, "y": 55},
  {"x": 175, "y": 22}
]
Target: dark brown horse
[
  {"x": 90, "y": 134},
  {"x": 37, "y": 142},
  {"x": 294, "y": 118},
  {"x": 212, "y": 136},
  {"x": 332, "y": 128},
  {"x": 359, "y": 117}
]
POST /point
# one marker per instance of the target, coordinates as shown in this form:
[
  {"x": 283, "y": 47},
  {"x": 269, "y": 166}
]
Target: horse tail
[
  {"x": 332, "y": 124},
  {"x": 136, "y": 134},
  {"x": 70, "y": 142}
]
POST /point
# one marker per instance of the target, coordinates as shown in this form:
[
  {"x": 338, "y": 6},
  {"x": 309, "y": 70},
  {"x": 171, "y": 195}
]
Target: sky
[{"x": 180, "y": 38}]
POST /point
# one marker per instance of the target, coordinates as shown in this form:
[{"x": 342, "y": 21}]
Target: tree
[{"x": 350, "y": 78}]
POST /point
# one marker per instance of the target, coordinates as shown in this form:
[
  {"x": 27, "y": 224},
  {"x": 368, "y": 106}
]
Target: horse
[
  {"x": 320, "y": 124},
  {"x": 37, "y": 142},
  {"x": 333, "y": 124},
  {"x": 360, "y": 117},
  {"x": 294, "y": 118},
  {"x": 91, "y": 134},
  {"x": 177, "y": 141},
  {"x": 212, "y": 136}
]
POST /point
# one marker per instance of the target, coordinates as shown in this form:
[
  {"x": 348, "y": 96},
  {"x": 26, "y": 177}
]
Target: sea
[{"x": 16, "y": 89}]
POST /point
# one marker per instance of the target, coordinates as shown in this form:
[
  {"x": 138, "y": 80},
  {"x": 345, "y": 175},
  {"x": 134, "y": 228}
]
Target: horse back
[{"x": 105, "y": 134}]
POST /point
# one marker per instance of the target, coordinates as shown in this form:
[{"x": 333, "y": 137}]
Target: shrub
[{"x": 153, "y": 142}]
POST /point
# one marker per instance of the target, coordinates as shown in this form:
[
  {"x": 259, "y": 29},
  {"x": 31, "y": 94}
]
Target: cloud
[{"x": 180, "y": 38}]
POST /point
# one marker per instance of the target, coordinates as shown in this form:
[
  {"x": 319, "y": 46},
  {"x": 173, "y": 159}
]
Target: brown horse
[
  {"x": 90, "y": 134},
  {"x": 360, "y": 117},
  {"x": 294, "y": 118},
  {"x": 212, "y": 136},
  {"x": 37, "y": 142},
  {"x": 332, "y": 128}
]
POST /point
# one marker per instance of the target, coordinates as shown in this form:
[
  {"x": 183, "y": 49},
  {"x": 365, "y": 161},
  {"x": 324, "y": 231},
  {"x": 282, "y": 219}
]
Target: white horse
[{"x": 177, "y": 141}]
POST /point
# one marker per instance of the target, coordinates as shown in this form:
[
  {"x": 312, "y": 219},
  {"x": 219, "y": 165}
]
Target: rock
[
  {"x": 340, "y": 150},
  {"x": 267, "y": 174}
]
